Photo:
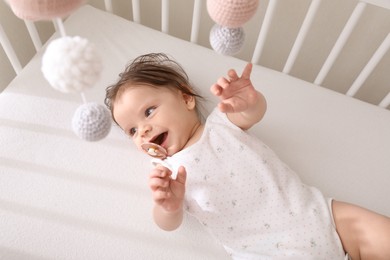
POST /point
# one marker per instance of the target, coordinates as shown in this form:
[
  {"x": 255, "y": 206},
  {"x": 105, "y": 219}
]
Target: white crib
[{"x": 322, "y": 65}]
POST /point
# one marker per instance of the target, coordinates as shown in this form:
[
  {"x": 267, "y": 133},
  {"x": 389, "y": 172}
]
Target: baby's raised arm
[
  {"x": 243, "y": 104},
  {"x": 168, "y": 195}
]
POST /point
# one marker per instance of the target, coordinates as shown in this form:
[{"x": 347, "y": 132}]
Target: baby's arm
[
  {"x": 363, "y": 233},
  {"x": 168, "y": 195},
  {"x": 243, "y": 104}
]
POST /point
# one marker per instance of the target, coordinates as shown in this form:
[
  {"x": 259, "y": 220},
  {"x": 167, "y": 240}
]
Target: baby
[{"x": 253, "y": 203}]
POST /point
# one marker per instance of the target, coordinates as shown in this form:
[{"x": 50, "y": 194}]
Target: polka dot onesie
[{"x": 252, "y": 202}]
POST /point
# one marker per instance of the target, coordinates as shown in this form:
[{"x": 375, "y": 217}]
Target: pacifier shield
[{"x": 155, "y": 150}]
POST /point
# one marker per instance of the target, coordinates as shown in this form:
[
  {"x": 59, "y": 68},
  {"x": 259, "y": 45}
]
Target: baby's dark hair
[{"x": 153, "y": 69}]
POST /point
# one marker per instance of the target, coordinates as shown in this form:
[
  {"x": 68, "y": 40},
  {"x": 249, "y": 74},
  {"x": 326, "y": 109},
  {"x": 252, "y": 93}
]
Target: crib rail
[
  {"x": 9, "y": 51},
  {"x": 265, "y": 26},
  {"x": 337, "y": 48}
]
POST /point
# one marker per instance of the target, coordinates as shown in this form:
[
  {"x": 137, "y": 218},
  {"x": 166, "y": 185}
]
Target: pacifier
[{"x": 155, "y": 150}]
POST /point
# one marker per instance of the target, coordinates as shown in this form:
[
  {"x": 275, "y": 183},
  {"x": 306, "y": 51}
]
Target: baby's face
[{"x": 158, "y": 115}]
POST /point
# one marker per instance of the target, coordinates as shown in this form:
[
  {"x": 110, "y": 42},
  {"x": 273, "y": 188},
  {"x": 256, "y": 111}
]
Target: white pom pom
[
  {"x": 226, "y": 41},
  {"x": 91, "y": 122},
  {"x": 71, "y": 64}
]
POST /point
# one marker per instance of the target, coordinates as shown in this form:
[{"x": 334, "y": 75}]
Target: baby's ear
[{"x": 189, "y": 100}]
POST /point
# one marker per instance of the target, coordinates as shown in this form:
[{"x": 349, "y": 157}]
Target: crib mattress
[{"x": 65, "y": 198}]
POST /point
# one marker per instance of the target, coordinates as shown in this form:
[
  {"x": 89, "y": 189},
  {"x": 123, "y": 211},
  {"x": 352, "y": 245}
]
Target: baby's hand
[
  {"x": 167, "y": 192},
  {"x": 236, "y": 94}
]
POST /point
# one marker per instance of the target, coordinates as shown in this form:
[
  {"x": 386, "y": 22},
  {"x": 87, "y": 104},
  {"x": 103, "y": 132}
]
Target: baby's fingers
[
  {"x": 160, "y": 172},
  {"x": 157, "y": 183},
  {"x": 246, "y": 73},
  {"x": 223, "y": 82},
  {"x": 159, "y": 196},
  {"x": 159, "y": 177},
  {"x": 233, "y": 75},
  {"x": 216, "y": 90},
  {"x": 181, "y": 175}
]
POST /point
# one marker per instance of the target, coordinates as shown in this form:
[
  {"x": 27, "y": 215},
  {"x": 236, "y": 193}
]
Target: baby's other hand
[
  {"x": 167, "y": 192},
  {"x": 236, "y": 94}
]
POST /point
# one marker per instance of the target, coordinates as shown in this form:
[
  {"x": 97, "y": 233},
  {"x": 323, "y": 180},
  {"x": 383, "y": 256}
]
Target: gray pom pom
[
  {"x": 91, "y": 122},
  {"x": 226, "y": 41}
]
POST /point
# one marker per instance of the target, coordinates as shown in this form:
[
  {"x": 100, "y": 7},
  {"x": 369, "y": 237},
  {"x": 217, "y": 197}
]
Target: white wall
[{"x": 335, "y": 13}]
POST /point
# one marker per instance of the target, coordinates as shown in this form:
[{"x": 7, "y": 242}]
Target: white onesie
[{"x": 253, "y": 203}]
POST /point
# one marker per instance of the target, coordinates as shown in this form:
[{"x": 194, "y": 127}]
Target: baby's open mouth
[{"x": 159, "y": 139}]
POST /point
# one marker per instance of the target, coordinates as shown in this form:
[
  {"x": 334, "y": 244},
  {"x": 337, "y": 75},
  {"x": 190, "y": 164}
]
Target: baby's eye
[
  {"x": 132, "y": 131},
  {"x": 149, "y": 111}
]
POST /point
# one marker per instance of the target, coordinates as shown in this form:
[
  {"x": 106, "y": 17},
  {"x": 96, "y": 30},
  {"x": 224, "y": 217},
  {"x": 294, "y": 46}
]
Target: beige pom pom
[
  {"x": 232, "y": 13},
  {"x": 43, "y": 9}
]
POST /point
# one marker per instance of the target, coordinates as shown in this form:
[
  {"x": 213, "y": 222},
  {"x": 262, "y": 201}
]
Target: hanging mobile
[{"x": 71, "y": 65}]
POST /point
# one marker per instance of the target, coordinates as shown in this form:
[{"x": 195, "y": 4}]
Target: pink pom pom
[
  {"x": 43, "y": 9},
  {"x": 233, "y": 13}
]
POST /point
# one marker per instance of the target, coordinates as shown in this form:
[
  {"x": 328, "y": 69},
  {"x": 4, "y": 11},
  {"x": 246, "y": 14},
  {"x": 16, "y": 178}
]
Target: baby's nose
[{"x": 146, "y": 129}]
